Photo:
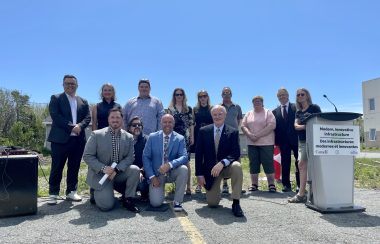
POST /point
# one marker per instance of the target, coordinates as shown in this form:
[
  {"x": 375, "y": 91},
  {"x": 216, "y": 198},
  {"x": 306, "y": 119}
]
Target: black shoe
[
  {"x": 287, "y": 189},
  {"x": 92, "y": 197},
  {"x": 237, "y": 211},
  {"x": 130, "y": 205}
]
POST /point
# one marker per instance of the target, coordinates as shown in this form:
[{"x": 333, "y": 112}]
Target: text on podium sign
[{"x": 336, "y": 139}]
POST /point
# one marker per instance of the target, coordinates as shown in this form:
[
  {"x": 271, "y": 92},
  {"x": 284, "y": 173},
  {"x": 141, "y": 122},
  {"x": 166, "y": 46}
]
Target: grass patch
[{"x": 366, "y": 175}]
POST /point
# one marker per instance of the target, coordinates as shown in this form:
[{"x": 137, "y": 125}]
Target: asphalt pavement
[{"x": 268, "y": 219}]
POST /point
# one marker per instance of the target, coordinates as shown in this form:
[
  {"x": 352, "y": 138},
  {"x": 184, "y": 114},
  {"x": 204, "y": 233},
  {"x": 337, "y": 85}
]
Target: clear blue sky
[{"x": 255, "y": 47}]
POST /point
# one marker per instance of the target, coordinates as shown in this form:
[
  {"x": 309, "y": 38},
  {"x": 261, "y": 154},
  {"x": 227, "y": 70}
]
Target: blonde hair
[
  {"x": 198, "y": 106},
  {"x": 113, "y": 91}
]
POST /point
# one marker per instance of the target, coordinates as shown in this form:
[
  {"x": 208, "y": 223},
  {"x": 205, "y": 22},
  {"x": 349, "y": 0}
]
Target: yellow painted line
[{"x": 191, "y": 231}]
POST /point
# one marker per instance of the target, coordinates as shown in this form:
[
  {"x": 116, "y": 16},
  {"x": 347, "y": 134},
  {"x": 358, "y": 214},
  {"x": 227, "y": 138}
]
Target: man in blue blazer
[
  {"x": 70, "y": 115},
  {"x": 216, "y": 157},
  {"x": 164, "y": 160},
  {"x": 286, "y": 137}
]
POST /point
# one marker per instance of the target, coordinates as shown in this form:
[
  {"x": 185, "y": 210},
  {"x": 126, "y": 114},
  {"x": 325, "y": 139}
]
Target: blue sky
[{"x": 254, "y": 47}]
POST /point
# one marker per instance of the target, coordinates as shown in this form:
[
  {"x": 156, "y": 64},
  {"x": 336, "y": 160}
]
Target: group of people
[{"x": 142, "y": 146}]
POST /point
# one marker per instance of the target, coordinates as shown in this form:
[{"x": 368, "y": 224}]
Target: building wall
[{"x": 370, "y": 89}]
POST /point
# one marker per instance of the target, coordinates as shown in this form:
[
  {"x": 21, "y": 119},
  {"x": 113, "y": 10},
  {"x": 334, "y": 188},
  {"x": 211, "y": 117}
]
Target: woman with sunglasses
[
  {"x": 202, "y": 117},
  {"x": 305, "y": 108},
  {"x": 184, "y": 123}
]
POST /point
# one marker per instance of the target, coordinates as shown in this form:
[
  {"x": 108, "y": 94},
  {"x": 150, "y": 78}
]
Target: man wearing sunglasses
[{"x": 135, "y": 127}]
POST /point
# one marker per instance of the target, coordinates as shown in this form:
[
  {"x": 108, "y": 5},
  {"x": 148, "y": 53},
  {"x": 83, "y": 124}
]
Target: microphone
[{"x": 336, "y": 110}]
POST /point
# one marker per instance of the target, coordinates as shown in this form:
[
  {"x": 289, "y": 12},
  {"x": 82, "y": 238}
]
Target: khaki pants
[{"x": 234, "y": 172}]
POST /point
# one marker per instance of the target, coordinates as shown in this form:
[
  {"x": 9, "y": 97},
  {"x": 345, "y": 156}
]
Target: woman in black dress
[
  {"x": 202, "y": 117},
  {"x": 99, "y": 113}
]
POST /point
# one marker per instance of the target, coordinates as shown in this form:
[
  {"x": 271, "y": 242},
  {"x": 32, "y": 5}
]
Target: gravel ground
[{"x": 269, "y": 219}]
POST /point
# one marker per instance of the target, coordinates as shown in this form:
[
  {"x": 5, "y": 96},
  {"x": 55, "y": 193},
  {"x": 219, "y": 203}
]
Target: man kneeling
[
  {"x": 216, "y": 157},
  {"x": 105, "y": 147},
  {"x": 165, "y": 159}
]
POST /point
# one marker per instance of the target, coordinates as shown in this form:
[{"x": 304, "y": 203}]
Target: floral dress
[{"x": 183, "y": 121}]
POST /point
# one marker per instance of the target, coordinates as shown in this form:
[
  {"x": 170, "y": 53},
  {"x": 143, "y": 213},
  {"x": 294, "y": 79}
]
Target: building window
[
  {"x": 372, "y": 134},
  {"x": 371, "y": 102}
]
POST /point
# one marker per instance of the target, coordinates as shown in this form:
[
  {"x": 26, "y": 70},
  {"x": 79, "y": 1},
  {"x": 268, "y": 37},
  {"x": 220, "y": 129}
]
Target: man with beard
[{"x": 104, "y": 148}]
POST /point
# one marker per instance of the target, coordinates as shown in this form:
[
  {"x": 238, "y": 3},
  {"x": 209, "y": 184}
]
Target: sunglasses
[
  {"x": 300, "y": 94},
  {"x": 179, "y": 95},
  {"x": 202, "y": 96},
  {"x": 136, "y": 125}
]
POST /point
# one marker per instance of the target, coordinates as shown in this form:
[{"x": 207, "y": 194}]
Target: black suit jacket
[
  {"x": 285, "y": 132},
  {"x": 205, "y": 156},
  {"x": 60, "y": 112}
]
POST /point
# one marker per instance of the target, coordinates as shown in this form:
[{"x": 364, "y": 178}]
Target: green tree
[{"x": 20, "y": 123}]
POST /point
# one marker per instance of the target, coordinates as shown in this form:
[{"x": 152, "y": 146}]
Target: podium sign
[{"x": 332, "y": 139}]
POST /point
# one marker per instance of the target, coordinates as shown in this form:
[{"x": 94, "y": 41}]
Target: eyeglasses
[
  {"x": 202, "y": 96},
  {"x": 300, "y": 94},
  {"x": 179, "y": 95},
  {"x": 69, "y": 83},
  {"x": 136, "y": 125}
]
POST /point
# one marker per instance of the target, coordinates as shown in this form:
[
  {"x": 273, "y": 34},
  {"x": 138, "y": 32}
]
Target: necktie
[
  {"x": 217, "y": 139},
  {"x": 166, "y": 149},
  {"x": 284, "y": 113}
]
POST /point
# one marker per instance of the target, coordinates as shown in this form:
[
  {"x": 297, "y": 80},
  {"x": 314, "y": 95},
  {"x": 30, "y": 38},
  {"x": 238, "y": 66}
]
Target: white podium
[{"x": 331, "y": 147}]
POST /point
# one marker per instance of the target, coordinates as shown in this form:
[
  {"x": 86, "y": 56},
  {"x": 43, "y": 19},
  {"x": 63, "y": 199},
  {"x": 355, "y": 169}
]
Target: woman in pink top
[{"x": 258, "y": 125}]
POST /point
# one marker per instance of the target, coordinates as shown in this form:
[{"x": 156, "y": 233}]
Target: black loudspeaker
[{"x": 18, "y": 185}]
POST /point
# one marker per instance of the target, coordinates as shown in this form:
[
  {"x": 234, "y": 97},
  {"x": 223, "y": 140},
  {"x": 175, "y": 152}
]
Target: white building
[{"x": 371, "y": 112}]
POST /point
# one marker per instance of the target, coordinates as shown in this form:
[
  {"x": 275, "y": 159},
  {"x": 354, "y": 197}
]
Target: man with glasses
[
  {"x": 286, "y": 137},
  {"x": 233, "y": 118},
  {"x": 147, "y": 107},
  {"x": 135, "y": 127},
  {"x": 70, "y": 116}
]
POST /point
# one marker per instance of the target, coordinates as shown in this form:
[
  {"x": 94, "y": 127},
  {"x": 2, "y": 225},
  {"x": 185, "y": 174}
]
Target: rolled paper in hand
[{"x": 105, "y": 176}]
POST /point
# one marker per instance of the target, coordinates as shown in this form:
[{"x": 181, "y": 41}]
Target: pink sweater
[{"x": 262, "y": 124}]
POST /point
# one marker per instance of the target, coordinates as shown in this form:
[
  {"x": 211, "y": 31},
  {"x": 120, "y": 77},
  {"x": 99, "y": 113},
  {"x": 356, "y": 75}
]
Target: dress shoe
[
  {"x": 287, "y": 189},
  {"x": 73, "y": 196},
  {"x": 52, "y": 199},
  {"x": 92, "y": 197},
  {"x": 237, "y": 211},
  {"x": 131, "y": 206}
]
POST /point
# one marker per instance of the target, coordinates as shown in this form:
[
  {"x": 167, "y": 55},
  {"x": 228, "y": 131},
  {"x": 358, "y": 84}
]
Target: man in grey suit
[
  {"x": 105, "y": 147},
  {"x": 165, "y": 159},
  {"x": 70, "y": 115}
]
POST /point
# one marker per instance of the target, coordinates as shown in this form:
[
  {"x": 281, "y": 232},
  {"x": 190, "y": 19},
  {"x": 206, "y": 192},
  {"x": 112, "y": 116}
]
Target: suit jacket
[
  {"x": 285, "y": 132},
  {"x": 98, "y": 153},
  {"x": 60, "y": 112},
  {"x": 153, "y": 152},
  {"x": 205, "y": 155}
]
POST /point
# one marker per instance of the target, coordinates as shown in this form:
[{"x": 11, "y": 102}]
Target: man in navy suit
[
  {"x": 70, "y": 115},
  {"x": 165, "y": 159},
  {"x": 216, "y": 157},
  {"x": 286, "y": 137}
]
